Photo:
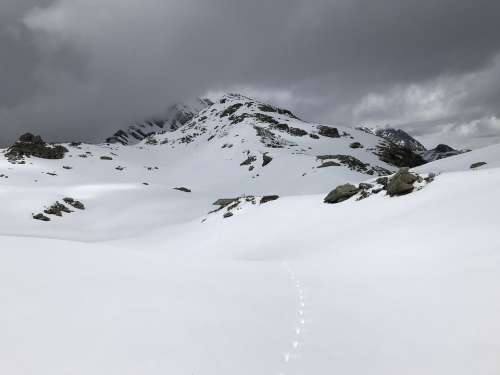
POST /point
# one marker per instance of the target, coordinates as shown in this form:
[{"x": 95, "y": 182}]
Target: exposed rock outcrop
[
  {"x": 398, "y": 156},
  {"x": 356, "y": 145},
  {"x": 341, "y": 193},
  {"x": 30, "y": 145},
  {"x": 478, "y": 165},
  {"x": 269, "y": 198},
  {"x": 223, "y": 202},
  {"x": 327, "y": 131},
  {"x": 266, "y": 159},
  {"x": 398, "y": 137},
  {"x": 401, "y": 183},
  {"x": 74, "y": 203},
  {"x": 41, "y": 217}
]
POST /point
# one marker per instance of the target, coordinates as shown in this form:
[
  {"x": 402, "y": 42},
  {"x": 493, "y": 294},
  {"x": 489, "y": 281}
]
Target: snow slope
[
  {"x": 489, "y": 155},
  {"x": 205, "y": 156},
  {"x": 145, "y": 281}
]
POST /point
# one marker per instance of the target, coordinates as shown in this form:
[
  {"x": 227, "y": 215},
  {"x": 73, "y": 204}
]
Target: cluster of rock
[
  {"x": 251, "y": 159},
  {"x": 401, "y": 183},
  {"x": 354, "y": 164},
  {"x": 399, "y": 156},
  {"x": 327, "y": 131},
  {"x": 57, "y": 209},
  {"x": 232, "y": 204},
  {"x": 29, "y": 145}
]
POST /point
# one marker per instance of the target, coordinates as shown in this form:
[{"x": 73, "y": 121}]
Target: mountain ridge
[{"x": 176, "y": 116}]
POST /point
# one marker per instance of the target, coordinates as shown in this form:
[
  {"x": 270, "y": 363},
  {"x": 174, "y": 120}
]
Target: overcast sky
[{"x": 79, "y": 69}]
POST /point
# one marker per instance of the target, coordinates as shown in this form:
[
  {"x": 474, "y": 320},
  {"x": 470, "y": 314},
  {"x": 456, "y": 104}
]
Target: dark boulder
[
  {"x": 401, "y": 183},
  {"x": 57, "y": 209},
  {"x": 228, "y": 215},
  {"x": 266, "y": 159},
  {"x": 248, "y": 160},
  {"x": 356, "y": 145},
  {"x": 74, "y": 203},
  {"x": 297, "y": 132},
  {"x": 225, "y": 201},
  {"x": 183, "y": 189},
  {"x": 41, "y": 217},
  {"x": 478, "y": 164},
  {"x": 268, "y": 198},
  {"x": 327, "y": 131},
  {"x": 282, "y": 127},
  {"x": 341, "y": 193},
  {"x": 327, "y": 164}
]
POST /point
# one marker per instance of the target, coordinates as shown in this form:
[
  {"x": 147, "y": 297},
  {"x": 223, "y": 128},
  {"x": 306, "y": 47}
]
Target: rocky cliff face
[
  {"x": 441, "y": 151},
  {"x": 403, "y": 139},
  {"x": 398, "y": 137}
]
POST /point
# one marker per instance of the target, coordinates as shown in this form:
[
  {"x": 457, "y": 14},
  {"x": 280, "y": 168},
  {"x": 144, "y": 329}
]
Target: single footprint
[{"x": 286, "y": 357}]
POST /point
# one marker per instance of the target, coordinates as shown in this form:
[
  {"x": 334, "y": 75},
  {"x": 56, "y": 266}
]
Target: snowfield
[{"x": 146, "y": 281}]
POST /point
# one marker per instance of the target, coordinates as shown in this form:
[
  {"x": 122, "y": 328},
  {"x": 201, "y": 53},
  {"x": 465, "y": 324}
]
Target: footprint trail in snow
[{"x": 293, "y": 352}]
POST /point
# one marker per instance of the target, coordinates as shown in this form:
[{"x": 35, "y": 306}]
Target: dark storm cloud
[
  {"x": 79, "y": 68},
  {"x": 18, "y": 53}
]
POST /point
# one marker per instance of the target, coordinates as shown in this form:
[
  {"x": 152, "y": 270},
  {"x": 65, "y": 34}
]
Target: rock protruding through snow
[
  {"x": 29, "y": 145},
  {"x": 401, "y": 183}
]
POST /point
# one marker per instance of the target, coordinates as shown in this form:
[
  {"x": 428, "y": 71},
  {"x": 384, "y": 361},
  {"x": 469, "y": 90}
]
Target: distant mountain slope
[
  {"x": 475, "y": 160},
  {"x": 176, "y": 116},
  {"x": 236, "y": 146},
  {"x": 397, "y": 136},
  {"x": 441, "y": 152},
  {"x": 403, "y": 139}
]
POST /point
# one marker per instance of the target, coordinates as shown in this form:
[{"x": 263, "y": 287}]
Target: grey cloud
[
  {"x": 79, "y": 69},
  {"x": 18, "y": 54}
]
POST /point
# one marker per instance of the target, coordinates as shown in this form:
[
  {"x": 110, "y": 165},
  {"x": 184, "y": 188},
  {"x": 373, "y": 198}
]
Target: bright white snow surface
[{"x": 138, "y": 284}]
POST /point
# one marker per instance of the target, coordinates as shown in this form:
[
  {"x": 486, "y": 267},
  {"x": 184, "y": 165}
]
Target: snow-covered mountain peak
[
  {"x": 176, "y": 116},
  {"x": 397, "y": 136}
]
